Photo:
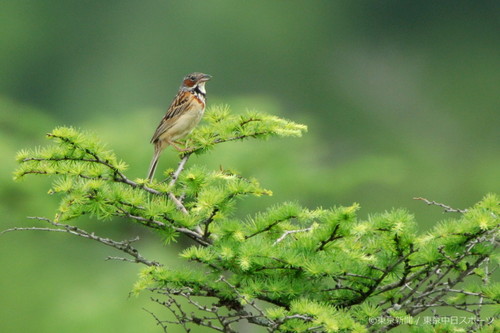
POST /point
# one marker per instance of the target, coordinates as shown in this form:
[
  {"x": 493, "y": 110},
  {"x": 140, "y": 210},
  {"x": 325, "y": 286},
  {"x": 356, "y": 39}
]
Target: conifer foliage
[{"x": 286, "y": 269}]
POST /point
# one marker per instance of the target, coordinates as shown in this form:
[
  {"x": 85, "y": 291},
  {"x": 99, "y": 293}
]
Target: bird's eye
[{"x": 192, "y": 78}]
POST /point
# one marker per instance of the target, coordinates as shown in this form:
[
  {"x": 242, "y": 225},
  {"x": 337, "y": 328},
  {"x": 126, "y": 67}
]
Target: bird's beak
[{"x": 205, "y": 78}]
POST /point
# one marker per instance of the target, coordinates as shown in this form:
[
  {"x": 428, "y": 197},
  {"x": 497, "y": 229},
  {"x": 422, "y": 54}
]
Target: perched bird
[{"x": 182, "y": 116}]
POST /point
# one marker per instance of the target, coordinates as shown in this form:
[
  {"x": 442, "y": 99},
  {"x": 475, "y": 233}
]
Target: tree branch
[
  {"x": 269, "y": 226},
  {"x": 447, "y": 208},
  {"x": 179, "y": 169},
  {"x": 333, "y": 236},
  {"x": 160, "y": 225},
  {"x": 123, "y": 246},
  {"x": 289, "y": 232}
]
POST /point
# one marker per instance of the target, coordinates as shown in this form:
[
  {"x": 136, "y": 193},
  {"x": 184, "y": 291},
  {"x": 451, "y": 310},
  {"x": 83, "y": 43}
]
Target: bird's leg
[{"x": 175, "y": 145}]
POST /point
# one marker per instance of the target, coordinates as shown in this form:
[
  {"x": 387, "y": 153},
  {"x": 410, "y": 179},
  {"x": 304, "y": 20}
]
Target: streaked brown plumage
[{"x": 182, "y": 116}]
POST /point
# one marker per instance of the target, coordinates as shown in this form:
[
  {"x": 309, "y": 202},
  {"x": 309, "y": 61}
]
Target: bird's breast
[{"x": 186, "y": 122}]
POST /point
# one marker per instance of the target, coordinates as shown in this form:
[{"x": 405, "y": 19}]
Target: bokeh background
[{"x": 401, "y": 99}]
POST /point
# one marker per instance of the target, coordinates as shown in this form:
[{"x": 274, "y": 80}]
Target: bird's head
[{"x": 196, "y": 81}]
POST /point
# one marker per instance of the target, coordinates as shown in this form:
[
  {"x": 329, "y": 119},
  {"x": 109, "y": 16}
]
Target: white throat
[{"x": 201, "y": 87}]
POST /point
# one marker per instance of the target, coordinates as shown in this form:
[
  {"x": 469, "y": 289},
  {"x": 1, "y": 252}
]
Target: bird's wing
[{"x": 179, "y": 105}]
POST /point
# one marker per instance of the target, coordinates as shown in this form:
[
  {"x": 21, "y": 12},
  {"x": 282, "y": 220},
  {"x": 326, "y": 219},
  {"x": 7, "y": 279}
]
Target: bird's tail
[{"x": 154, "y": 163}]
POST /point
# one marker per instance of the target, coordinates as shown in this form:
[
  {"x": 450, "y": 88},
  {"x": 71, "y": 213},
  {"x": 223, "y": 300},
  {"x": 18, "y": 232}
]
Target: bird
[{"x": 183, "y": 114}]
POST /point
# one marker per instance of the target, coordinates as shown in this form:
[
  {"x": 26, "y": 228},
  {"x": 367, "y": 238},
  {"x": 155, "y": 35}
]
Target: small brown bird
[{"x": 182, "y": 116}]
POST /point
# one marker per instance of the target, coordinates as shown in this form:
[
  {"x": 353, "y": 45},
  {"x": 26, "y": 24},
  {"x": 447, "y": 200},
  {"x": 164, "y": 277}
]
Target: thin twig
[
  {"x": 119, "y": 259},
  {"x": 158, "y": 321},
  {"x": 234, "y": 138},
  {"x": 289, "y": 232},
  {"x": 333, "y": 236},
  {"x": 446, "y": 207},
  {"x": 160, "y": 225},
  {"x": 123, "y": 246},
  {"x": 208, "y": 221},
  {"x": 246, "y": 300},
  {"x": 179, "y": 169},
  {"x": 269, "y": 226}
]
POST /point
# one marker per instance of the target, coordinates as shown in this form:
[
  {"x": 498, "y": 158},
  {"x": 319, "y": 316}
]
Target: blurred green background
[{"x": 401, "y": 99}]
